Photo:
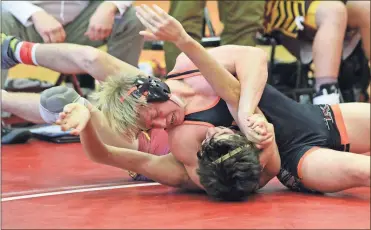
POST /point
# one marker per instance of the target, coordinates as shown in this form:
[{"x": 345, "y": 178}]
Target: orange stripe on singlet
[
  {"x": 339, "y": 121},
  {"x": 198, "y": 123},
  {"x": 300, "y": 165}
]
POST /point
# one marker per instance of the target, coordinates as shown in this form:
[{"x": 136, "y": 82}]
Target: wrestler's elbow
[
  {"x": 251, "y": 53},
  {"x": 257, "y": 57},
  {"x": 252, "y": 60},
  {"x": 87, "y": 57}
]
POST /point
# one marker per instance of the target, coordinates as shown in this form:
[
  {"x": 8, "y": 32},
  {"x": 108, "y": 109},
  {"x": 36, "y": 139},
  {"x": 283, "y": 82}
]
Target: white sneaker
[{"x": 328, "y": 94}]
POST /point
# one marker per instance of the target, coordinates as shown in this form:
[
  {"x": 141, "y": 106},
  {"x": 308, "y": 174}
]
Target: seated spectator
[
  {"x": 322, "y": 31},
  {"x": 92, "y": 23}
]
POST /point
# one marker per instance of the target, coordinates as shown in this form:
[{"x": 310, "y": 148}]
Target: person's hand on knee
[
  {"x": 49, "y": 28},
  {"x": 101, "y": 22}
]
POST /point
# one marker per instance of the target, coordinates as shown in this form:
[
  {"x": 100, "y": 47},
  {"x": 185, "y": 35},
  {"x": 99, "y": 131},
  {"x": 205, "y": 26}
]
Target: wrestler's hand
[
  {"x": 74, "y": 117},
  {"x": 101, "y": 22},
  {"x": 258, "y": 130},
  {"x": 160, "y": 25},
  {"x": 49, "y": 28}
]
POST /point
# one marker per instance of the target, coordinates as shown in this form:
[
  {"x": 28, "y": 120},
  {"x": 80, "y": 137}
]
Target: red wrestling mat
[{"x": 52, "y": 186}]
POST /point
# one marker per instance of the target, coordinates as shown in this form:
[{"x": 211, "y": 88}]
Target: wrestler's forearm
[
  {"x": 252, "y": 72},
  {"x": 163, "y": 169},
  {"x": 272, "y": 164},
  {"x": 74, "y": 59},
  {"x": 100, "y": 152},
  {"x": 223, "y": 82},
  {"x": 106, "y": 134}
]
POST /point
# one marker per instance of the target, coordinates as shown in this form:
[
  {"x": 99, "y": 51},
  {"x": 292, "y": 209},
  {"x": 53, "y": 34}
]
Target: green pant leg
[
  {"x": 190, "y": 14},
  {"x": 241, "y": 19},
  {"x": 11, "y": 26},
  {"x": 124, "y": 42}
]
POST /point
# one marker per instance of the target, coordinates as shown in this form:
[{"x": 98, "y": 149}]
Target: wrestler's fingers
[
  {"x": 145, "y": 22},
  {"x": 75, "y": 132},
  {"x": 148, "y": 36},
  {"x": 64, "y": 127},
  {"x": 62, "y": 115},
  {"x": 161, "y": 12},
  {"x": 68, "y": 108},
  {"x": 146, "y": 15},
  {"x": 260, "y": 130},
  {"x": 252, "y": 136},
  {"x": 79, "y": 127},
  {"x": 259, "y": 122},
  {"x": 156, "y": 19},
  {"x": 68, "y": 124}
]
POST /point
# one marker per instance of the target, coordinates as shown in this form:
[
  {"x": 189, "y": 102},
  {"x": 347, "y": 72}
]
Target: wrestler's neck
[{"x": 186, "y": 97}]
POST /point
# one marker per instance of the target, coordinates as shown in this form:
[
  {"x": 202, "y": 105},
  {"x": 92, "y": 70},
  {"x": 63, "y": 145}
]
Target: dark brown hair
[{"x": 234, "y": 178}]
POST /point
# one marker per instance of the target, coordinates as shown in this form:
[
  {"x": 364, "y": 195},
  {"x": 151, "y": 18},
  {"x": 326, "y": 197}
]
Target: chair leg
[
  {"x": 61, "y": 79},
  {"x": 272, "y": 62},
  {"x": 76, "y": 85}
]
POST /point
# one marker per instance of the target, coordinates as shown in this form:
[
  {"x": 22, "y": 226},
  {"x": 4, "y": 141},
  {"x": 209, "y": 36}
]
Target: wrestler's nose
[{"x": 159, "y": 123}]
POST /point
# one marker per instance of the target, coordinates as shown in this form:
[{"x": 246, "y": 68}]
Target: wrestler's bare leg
[
  {"x": 328, "y": 170},
  {"x": 357, "y": 123},
  {"x": 23, "y": 105}
]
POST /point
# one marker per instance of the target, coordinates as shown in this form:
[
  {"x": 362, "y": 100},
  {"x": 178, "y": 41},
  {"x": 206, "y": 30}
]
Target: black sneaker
[
  {"x": 14, "y": 136},
  {"x": 328, "y": 94}
]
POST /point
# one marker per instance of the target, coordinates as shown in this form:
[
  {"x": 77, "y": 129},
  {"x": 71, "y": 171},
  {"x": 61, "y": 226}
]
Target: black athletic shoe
[{"x": 14, "y": 136}]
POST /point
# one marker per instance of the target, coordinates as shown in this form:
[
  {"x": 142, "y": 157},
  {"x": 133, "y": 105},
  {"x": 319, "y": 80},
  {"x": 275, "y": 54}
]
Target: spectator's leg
[
  {"x": 190, "y": 14},
  {"x": 359, "y": 17},
  {"x": 330, "y": 19},
  {"x": 11, "y": 26},
  {"x": 125, "y": 42},
  {"x": 75, "y": 34},
  {"x": 241, "y": 21}
]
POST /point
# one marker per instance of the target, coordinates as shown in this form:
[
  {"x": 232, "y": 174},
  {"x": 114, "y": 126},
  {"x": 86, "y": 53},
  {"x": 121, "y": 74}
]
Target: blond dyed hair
[{"x": 122, "y": 116}]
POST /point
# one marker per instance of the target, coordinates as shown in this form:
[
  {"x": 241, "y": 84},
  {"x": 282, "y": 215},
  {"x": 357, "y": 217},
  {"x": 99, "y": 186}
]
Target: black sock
[{"x": 325, "y": 81}]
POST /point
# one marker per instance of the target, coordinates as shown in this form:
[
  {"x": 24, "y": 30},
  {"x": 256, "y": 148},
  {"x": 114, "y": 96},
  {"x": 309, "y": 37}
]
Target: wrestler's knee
[
  {"x": 53, "y": 100},
  {"x": 331, "y": 11}
]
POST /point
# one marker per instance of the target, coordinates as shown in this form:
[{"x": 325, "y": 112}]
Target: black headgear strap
[{"x": 152, "y": 88}]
